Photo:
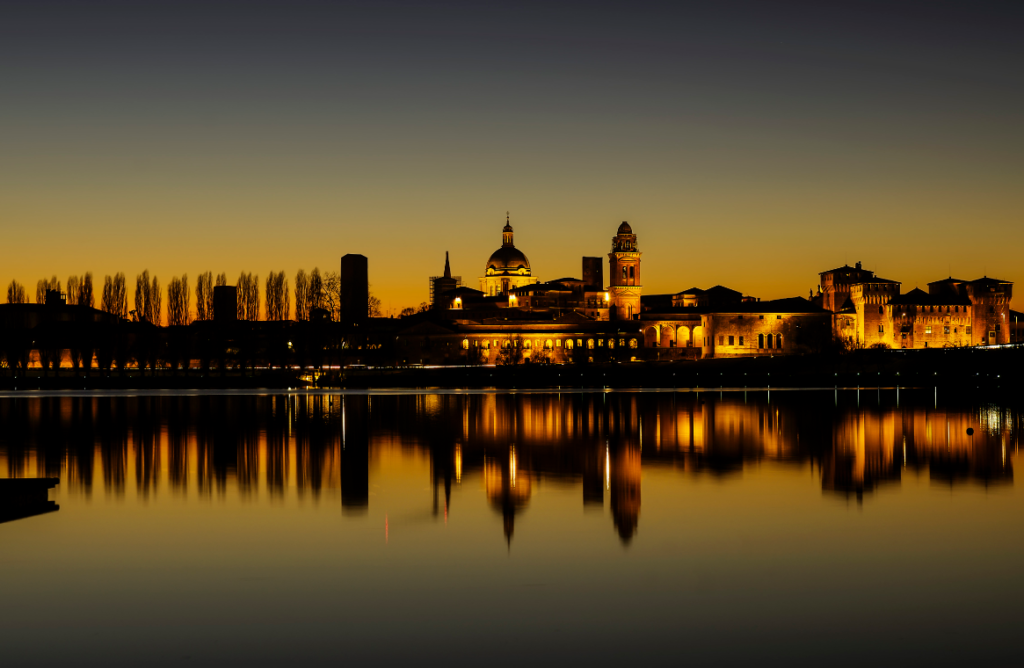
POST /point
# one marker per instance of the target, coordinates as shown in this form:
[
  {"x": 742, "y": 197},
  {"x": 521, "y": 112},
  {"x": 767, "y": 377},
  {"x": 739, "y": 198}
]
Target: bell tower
[{"x": 624, "y": 274}]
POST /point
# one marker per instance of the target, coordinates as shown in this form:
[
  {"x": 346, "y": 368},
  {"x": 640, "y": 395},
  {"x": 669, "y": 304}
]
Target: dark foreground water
[{"x": 800, "y": 528}]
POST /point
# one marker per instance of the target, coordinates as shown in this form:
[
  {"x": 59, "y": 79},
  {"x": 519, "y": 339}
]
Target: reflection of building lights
[
  {"x": 458, "y": 463},
  {"x": 607, "y": 468},
  {"x": 512, "y": 463}
]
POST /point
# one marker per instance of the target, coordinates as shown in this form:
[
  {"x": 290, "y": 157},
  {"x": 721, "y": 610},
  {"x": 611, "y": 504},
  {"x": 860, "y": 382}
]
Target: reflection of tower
[
  {"x": 624, "y": 484},
  {"x": 355, "y": 455},
  {"x": 507, "y": 489},
  {"x": 594, "y": 469},
  {"x": 624, "y": 269}
]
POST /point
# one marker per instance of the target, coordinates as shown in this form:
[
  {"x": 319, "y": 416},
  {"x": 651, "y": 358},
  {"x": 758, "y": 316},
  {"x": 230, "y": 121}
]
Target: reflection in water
[{"x": 267, "y": 444}]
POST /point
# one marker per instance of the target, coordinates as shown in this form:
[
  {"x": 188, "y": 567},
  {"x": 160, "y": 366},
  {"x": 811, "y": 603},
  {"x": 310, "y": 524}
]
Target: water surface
[{"x": 809, "y": 527}]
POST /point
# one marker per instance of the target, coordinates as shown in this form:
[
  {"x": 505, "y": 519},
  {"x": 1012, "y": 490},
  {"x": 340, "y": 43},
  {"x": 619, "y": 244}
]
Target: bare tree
[
  {"x": 316, "y": 290},
  {"x": 85, "y": 294},
  {"x": 248, "y": 297},
  {"x": 178, "y": 297},
  {"x": 155, "y": 303},
  {"x": 301, "y": 296},
  {"x": 330, "y": 299},
  {"x": 373, "y": 306},
  {"x": 222, "y": 279},
  {"x": 43, "y": 286},
  {"x": 408, "y": 310},
  {"x": 142, "y": 301},
  {"x": 276, "y": 296},
  {"x": 16, "y": 293},
  {"x": 73, "y": 286},
  {"x": 120, "y": 292},
  {"x": 204, "y": 296}
]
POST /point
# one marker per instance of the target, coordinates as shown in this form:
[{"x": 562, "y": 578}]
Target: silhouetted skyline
[{"x": 754, "y": 142}]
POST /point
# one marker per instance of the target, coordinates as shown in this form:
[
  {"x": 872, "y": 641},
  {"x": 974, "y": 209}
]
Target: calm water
[{"x": 813, "y": 528}]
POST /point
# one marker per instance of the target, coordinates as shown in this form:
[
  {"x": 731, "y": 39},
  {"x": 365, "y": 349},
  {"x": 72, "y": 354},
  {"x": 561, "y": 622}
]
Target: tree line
[{"x": 313, "y": 291}]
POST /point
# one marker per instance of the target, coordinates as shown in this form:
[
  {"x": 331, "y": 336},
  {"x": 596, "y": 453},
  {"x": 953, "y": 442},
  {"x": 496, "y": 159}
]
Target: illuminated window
[
  {"x": 527, "y": 344},
  {"x": 632, "y": 343},
  {"x": 568, "y": 344},
  {"x": 927, "y": 329},
  {"x": 611, "y": 343},
  {"x": 465, "y": 344},
  {"x": 968, "y": 330},
  {"x": 945, "y": 330},
  {"x": 600, "y": 343},
  {"x": 622, "y": 342},
  {"x": 547, "y": 345},
  {"x": 579, "y": 342},
  {"x": 624, "y": 273},
  {"x": 590, "y": 344}
]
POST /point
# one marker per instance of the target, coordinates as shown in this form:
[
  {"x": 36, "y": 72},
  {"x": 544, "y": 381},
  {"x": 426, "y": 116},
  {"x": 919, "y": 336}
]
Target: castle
[{"x": 515, "y": 317}]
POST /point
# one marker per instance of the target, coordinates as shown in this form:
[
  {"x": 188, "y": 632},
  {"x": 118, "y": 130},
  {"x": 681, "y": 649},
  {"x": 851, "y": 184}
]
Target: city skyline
[{"x": 754, "y": 148}]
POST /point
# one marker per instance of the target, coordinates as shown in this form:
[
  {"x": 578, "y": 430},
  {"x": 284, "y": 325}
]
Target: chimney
[{"x": 858, "y": 265}]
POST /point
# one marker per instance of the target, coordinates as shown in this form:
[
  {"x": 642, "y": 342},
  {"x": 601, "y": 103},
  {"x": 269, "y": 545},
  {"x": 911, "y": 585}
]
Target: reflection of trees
[{"x": 269, "y": 444}]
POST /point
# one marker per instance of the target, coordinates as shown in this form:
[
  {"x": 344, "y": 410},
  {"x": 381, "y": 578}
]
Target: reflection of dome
[
  {"x": 508, "y": 258},
  {"x": 507, "y": 492},
  {"x": 624, "y": 228}
]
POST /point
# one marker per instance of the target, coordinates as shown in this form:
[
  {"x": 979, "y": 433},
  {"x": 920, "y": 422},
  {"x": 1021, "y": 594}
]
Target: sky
[{"x": 750, "y": 144}]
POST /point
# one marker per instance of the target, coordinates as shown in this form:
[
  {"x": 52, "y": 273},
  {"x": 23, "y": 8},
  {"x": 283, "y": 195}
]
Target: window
[
  {"x": 778, "y": 341},
  {"x": 600, "y": 343},
  {"x": 632, "y": 343},
  {"x": 945, "y": 330},
  {"x": 590, "y": 344},
  {"x": 622, "y": 342},
  {"x": 731, "y": 340},
  {"x": 527, "y": 344},
  {"x": 768, "y": 342},
  {"x": 568, "y": 344},
  {"x": 741, "y": 340},
  {"x": 778, "y": 317},
  {"x": 631, "y": 272},
  {"x": 579, "y": 342},
  {"x": 624, "y": 273},
  {"x": 760, "y": 317},
  {"x": 611, "y": 343},
  {"x": 956, "y": 309},
  {"x": 721, "y": 340},
  {"x": 881, "y": 329},
  {"x": 928, "y": 329},
  {"x": 465, "y": 344},
  {"x": 760, "y": 340},
  {"x": 968, "y": 330}
]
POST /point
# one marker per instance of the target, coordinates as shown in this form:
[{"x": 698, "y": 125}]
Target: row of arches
[
  {"x": 671, "y": 336},
  {"x": 550, "y": 344}
]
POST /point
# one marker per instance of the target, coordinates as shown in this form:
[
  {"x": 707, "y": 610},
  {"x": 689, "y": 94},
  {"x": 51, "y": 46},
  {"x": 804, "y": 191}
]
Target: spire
[{"x": 447, "y": 267}]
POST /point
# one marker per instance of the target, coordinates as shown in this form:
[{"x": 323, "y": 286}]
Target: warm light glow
[{"x": 458, "y": 464}]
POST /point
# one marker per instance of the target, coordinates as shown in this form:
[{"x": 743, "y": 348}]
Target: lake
[{"x": 800, "y": 527}]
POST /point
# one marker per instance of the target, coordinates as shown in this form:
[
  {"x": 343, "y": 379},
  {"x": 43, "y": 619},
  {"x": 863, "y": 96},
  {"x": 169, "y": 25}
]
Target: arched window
[
  {"x": 760, "y": 340},
  {"x": 632, "y": 343},
  {"x": 624, "y": 276},
  {"x": 527, "y": 344},
  {"x": 881, "y": 310},
  {"x": 778, "y": 341},
  {"x": 631, "y": 274},
  {"x": 547, "y": 345},
  {"x": 568, "y": 344},
  {"x": 611, "y": 343},
  {"x": 465, "y": 344},
  {"x": 590, "y": 344}
]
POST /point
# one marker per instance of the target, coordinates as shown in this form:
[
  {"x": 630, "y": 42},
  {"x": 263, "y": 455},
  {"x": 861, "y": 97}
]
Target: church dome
[
  {"x": 507, "y": 258},
  {"x": 624, "y": 228}
]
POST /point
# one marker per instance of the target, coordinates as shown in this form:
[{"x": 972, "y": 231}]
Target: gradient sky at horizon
[{"x": 750, "y": 144}]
